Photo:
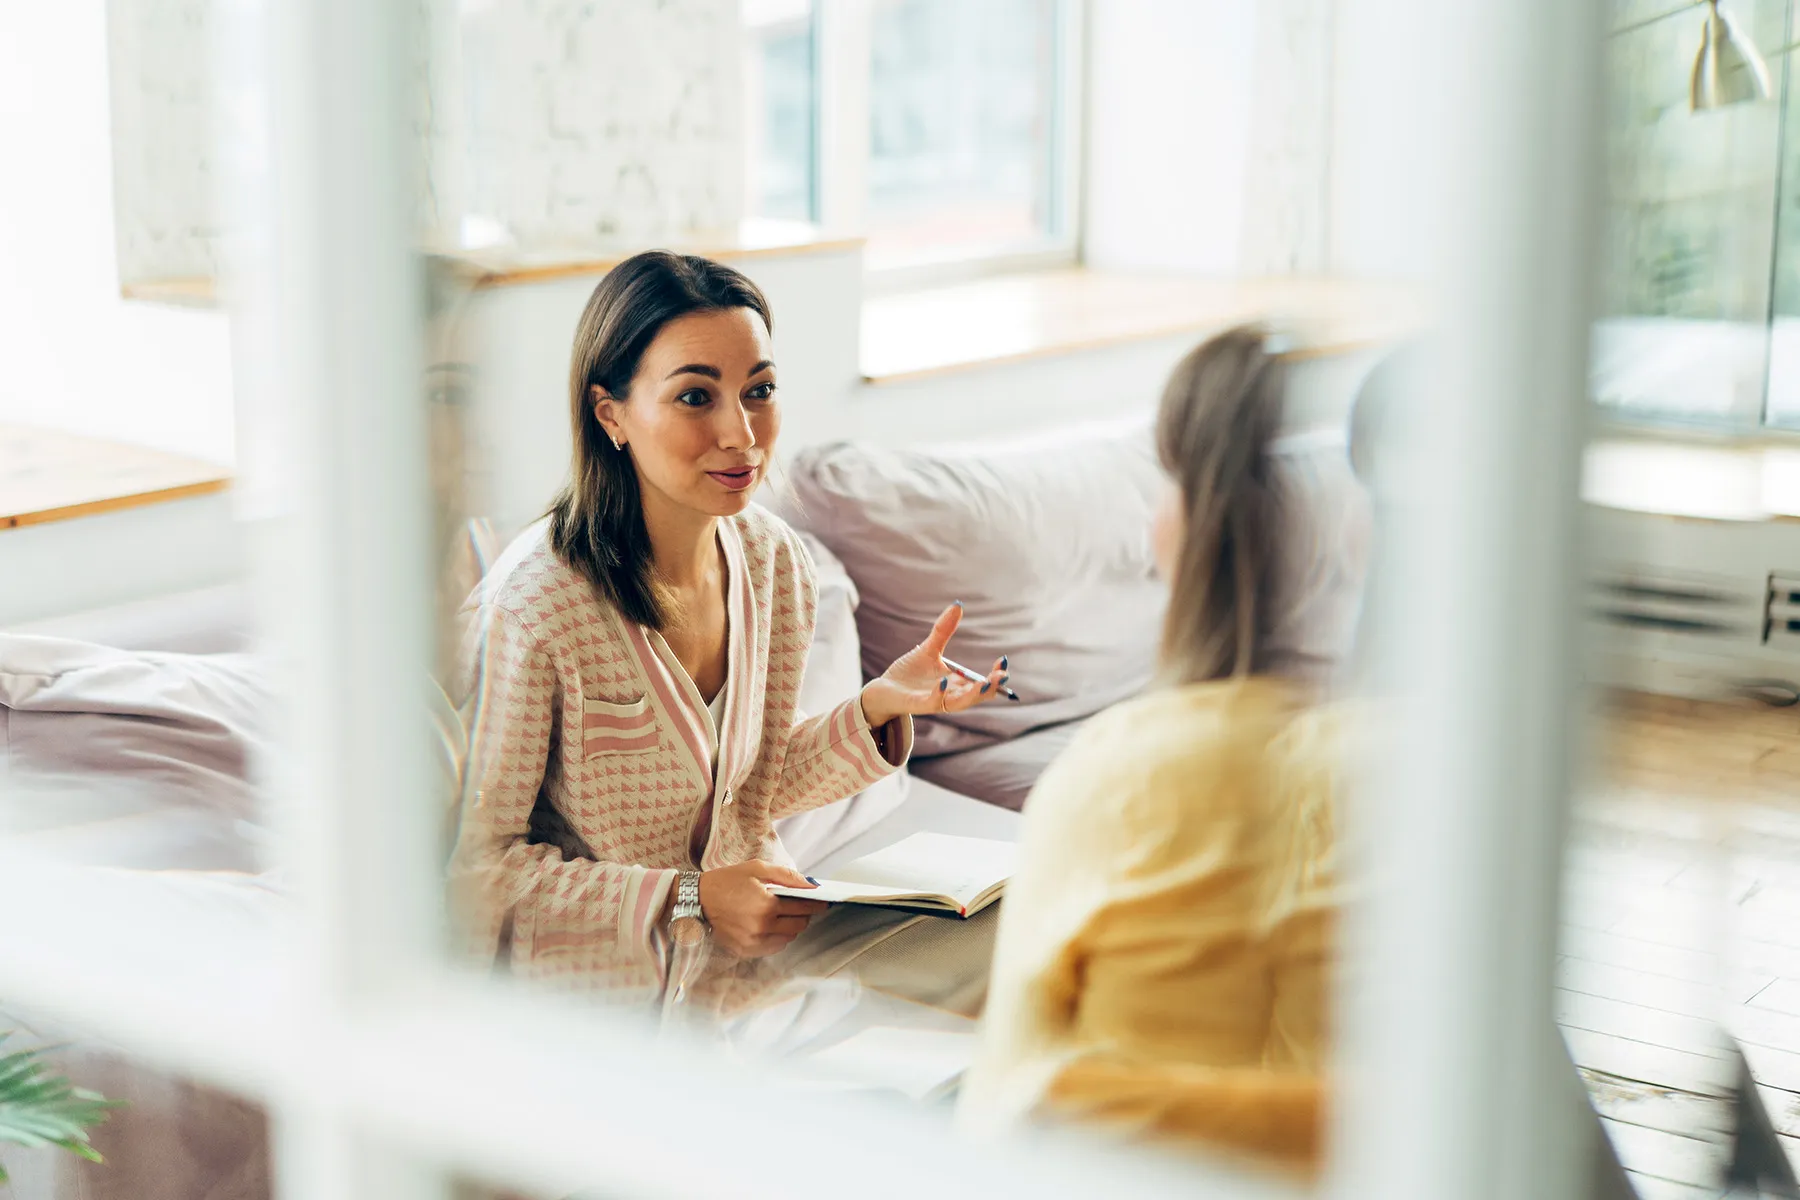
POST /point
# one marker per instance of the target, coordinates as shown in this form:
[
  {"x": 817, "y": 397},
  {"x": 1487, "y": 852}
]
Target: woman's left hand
[{"x": 919, "y": 682}]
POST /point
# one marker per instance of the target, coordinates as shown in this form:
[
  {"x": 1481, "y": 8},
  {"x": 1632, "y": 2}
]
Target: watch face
[{"x": 687, "y": 931}]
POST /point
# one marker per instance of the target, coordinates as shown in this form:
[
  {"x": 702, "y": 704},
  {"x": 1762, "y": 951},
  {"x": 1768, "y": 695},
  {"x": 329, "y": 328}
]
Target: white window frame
[
  {"x": 843, "y": 31},
  {"x": 383, "y": 1067}
]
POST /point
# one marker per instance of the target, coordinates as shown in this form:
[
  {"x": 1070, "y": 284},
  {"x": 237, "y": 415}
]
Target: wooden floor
[{"x": 1682, "y": 914}]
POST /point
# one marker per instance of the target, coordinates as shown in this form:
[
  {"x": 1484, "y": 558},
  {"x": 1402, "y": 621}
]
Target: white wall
[
  {"x": 80, "y": 358},
  {"x": 1287, "y": 175},
  {"x": 1382, "y": 225},
  {"x": 603, "y": 118},
  {"x": 165, "y": 99},
  {"x": 1170, "y": 86},
  {"x": 558, "y": 122},
  {"x": 77, "y": 356},
  {"x": 1209, "y": 135},
  {"x": 1166, "y": 191}
]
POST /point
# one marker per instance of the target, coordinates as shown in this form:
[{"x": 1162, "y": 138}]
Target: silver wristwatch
[{"x": 687, "y": 920}]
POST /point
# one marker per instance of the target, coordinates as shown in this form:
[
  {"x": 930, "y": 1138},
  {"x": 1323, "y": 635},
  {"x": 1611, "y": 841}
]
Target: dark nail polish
[
  {"x": 810, "y": 879},
  {"x": 944, "y": 684},
  {"x": 1003, "y": 662},
  {"x": 985, "y": 687},
  {"x": 957, "y": 603}
]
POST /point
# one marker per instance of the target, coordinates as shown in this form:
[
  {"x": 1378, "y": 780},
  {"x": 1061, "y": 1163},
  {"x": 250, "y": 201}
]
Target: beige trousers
[{"x": 938, "y": 961}]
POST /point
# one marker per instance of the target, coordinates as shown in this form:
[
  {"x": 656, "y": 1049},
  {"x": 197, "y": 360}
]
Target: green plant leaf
[{"x": 41, "y": 1108}]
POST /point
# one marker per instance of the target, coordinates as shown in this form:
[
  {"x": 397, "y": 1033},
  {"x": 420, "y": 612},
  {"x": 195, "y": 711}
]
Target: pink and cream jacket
[{"x": 590, "y": 785}]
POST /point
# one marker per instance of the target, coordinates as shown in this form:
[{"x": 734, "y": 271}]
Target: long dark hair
[
  {"x": 1220, "y": 410},
  {"x": 597, "y": 521}
]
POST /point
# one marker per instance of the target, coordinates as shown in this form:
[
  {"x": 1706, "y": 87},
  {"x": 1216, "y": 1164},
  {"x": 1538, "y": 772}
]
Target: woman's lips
[{"x": 735, "y": 480}]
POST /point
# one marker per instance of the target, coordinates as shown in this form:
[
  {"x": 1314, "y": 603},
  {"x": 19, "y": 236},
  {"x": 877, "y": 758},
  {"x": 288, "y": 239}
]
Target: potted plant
[{"x": 38, "y": 1107}]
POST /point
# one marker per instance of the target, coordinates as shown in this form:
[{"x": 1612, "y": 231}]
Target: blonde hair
[
  {"x": 1219, "y": 412},
  {"x": 1269, "y": 575}
]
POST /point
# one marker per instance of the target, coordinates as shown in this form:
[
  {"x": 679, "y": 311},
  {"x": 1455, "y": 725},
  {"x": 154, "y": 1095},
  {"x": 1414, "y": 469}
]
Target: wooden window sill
[
  {"x": 48, "y": 476},
  {"x": 752, "y": 239},
  {"x": 1011, "y": 318},
  {"x": 510, "y": 267}
]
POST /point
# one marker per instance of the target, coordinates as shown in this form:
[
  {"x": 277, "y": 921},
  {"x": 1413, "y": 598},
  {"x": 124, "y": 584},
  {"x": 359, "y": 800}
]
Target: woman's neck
[{"x": 683, "y": 543}]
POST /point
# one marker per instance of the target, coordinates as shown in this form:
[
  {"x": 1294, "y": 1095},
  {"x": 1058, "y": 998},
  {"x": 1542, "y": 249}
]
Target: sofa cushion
[
  {"x": 130, "y": 758},
  {"x": 1003, "y": 773},
  {"x": 1044, "y": 541}
]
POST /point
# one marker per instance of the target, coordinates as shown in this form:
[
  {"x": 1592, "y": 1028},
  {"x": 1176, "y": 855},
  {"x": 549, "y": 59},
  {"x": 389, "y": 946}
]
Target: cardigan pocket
[{"x": 610, "y": 728}]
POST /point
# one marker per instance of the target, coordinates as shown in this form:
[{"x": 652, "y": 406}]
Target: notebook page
[
  {"x": 959, "y": 867},
  {"x": 837, "y": 891}
]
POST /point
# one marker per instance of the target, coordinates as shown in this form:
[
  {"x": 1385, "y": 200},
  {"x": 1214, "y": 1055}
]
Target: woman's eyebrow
[
  {"x": 696, "y": 369},
  {"x": 760, "y": 367}
]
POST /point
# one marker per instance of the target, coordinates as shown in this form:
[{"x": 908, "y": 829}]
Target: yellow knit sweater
[{"x": 1164, "y": 954}]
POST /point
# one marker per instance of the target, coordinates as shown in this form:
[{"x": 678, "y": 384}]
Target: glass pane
[
  {"x": 780, "y": 107},
  {"x": 961, "y": 127},
  {"x": 1689, "y": 228},
  {"x": 1783, "y": 406},
  {"x": 646, "y": 708},
  {"x": 1679, "y": 852}
]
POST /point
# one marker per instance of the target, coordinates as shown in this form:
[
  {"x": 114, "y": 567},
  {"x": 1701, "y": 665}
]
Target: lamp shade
[{"x": 1728, "y": 68}]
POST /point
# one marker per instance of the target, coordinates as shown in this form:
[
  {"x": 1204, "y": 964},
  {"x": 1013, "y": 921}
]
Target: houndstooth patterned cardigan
[{"x": 589, "y": 784}]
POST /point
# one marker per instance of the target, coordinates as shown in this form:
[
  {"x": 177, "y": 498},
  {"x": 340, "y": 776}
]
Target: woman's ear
[
  {"x": 603, "y": 404},
  {"x": 1167, "y": 528}
]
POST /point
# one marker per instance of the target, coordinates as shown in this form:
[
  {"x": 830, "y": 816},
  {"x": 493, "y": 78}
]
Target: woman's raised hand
[{"x": 920, "y": 682}]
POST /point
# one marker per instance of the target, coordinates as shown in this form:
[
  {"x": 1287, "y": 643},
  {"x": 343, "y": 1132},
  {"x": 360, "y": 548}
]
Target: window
[
  {"x": 943, "y": 130},
  {"x": 961, "y": 115},
  {"x": 1702, "y": 230},
  {"x": 780, "y": 128},
  {"x": 385, "y": 1070}
]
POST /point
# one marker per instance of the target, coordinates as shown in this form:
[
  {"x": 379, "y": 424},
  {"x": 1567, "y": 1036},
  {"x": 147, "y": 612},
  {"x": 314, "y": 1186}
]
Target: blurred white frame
[{"x": 385, "y": 1069}]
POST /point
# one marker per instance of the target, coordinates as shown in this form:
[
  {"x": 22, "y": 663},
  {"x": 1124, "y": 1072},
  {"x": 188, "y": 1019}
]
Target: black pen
[{"x": 974, "y": 677}]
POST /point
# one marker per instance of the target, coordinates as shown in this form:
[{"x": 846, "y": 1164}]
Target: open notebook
[{"x": 928, "y": 872}]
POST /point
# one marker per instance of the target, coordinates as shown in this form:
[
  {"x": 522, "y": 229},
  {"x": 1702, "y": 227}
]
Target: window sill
[
  {"x": 181, "y": 293},
  {"x": 1693, "y": 482},
  {"x": 919, "y": 334},
  {"x": 47, "y": 476},
  {"x": 510, "y": 266},
  {"x": 752, "y": 239}
]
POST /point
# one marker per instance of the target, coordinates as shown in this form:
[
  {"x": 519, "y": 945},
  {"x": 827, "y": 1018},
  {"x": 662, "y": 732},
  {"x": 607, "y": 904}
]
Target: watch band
[
  {"x": 687, "y": 920},
  {"x": 687, "y": 897}
]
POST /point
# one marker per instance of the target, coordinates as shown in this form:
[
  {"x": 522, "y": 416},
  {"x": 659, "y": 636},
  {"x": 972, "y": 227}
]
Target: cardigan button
[{"x": 728, "y": 796}]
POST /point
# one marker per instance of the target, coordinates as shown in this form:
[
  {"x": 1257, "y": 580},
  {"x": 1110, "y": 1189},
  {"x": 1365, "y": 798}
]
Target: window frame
[
  {"x": 381, "y": 1066},
  {"x": 842, "y": 40}
]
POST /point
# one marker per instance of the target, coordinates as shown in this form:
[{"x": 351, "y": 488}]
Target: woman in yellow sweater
[{"x": 1164, "y": 958}]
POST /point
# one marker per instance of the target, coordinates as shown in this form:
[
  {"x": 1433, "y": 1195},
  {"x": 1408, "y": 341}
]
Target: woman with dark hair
[
  {"x": 640, "y": 652},
  {"x": 1164, "y": 953}
]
